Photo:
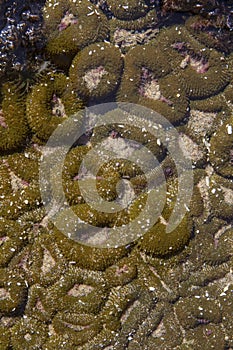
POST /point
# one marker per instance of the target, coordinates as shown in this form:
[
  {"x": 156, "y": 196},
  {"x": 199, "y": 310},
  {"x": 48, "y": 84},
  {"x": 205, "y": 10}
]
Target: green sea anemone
[
  {"x": 12, "y": 238},
  {"x": 70, "y": 175},
  {"x": 129, "y": 33},
  {"x": 79, "y": 328},
  {"x": 35, "y": 306},
  {"x": 28, "y": 333},
  {"x": 202, "y": 72},
  {"x": 204, "y": 82},
  {"x": 88, "y": 257},
  {"x": 49, "y": 104},
  {"x": 45, "y": 262},
  {"x": 128, "y": 10},
  {"x": 221, "y": 149},
  {"x": 121, "y": 273},
  {"x": 13, "y": 291},
  {"x": 221, "y": 197},
  {"x": 70, "y": 26},
  {"x": 191, "y": 311},
  {"x": 12, "y": 134},
  {"x": 95, "y": 72},
  {"x": 156, "y": 241},
  {"x": 23, "y": 199},
  {"x": 146, "y": 81},
  {"x": 80, "y": 291}
]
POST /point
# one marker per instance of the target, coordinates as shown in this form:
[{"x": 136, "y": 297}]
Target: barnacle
[
  {"x": 71, "y": 26},
  {"x": 13, "y": 292},
  {"x": 221, "y": 149},
  {"x": 95, "y": 71},
  {"x": 12, "y": 134},
  {"x": 49, "y": 104},
  {"x": 29, "y": 333}
]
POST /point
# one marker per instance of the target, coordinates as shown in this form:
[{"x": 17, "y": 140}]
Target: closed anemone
[{"x": 128, "y": 9}]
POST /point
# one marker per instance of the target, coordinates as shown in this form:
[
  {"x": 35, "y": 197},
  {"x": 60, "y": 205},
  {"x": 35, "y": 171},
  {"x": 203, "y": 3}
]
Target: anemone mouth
[
  {"x": 93, "y": 77},
  {"x": 195, "y": 60},
  {"x": 149, "y": 86},
  {"x": 3, "y": 123},
  {"x": 231, "y": 156},
  {"x": 57, "y": 106},
  {"x": 67, "y": 20}
]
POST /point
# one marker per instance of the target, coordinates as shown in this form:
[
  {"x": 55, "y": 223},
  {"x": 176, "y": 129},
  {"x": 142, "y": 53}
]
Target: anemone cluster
[{"x": 160, "y": 291}]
